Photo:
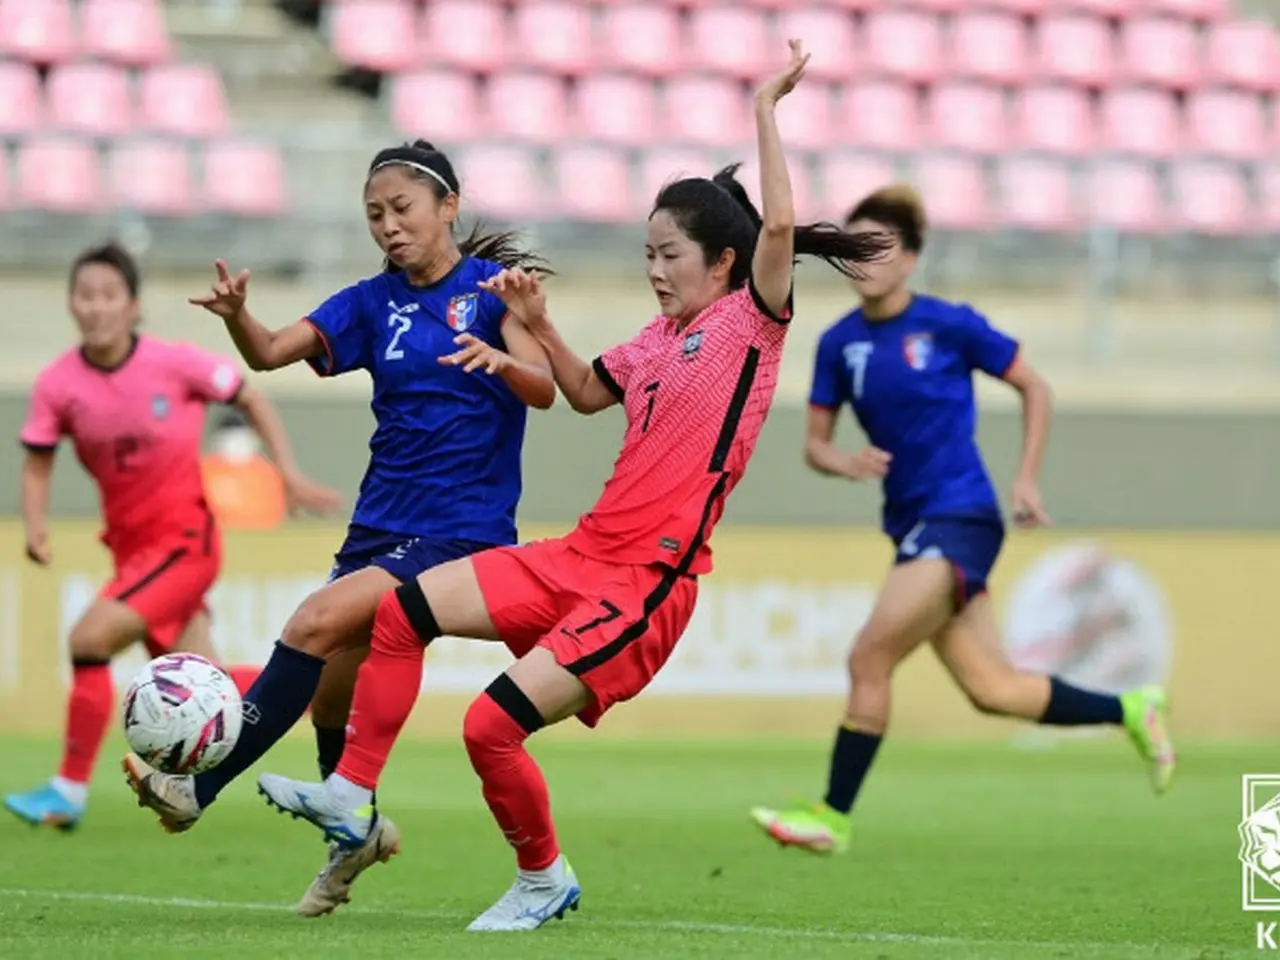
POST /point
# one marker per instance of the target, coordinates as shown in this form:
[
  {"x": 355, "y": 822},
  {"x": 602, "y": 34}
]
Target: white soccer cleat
[
  {"x": 171, "y": 796},
  {"x": 332, "y": 887},
  {"x": 535, "y": 898},
  {"x": 320, "y": 806}
]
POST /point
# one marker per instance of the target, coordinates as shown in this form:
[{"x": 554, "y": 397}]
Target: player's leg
[{"x": 331, "y": 705}]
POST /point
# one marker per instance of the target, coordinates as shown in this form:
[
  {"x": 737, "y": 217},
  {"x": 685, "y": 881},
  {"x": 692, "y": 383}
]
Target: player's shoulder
[
  {"x": 943, "y": 312},
  {"x": 63, "y": 368}
]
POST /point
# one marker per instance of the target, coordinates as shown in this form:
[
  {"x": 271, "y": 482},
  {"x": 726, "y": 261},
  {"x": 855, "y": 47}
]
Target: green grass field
[{"x": 962, "y": 852}]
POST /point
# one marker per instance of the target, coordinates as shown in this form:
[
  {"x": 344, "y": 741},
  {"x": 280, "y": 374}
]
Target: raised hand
[{"x": 226, "y": 298}]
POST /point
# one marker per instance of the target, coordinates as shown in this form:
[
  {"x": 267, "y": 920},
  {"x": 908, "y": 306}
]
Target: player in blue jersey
[
  {"x": 904, "y": 363},
  {"x": 452, "y": 377}
]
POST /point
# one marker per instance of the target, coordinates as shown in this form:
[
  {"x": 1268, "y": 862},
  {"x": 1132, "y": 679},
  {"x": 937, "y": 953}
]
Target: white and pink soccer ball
[{"x": 182, "y": 713}]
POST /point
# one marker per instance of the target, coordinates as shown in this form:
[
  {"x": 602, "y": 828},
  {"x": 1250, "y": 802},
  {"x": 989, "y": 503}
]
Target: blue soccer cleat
[
  {"x": 45, "y": 806},
  {"x": 320, "y": 807},
  {"x": 536, "y": 897}
]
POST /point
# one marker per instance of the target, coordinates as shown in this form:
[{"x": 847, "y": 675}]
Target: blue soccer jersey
[
  {"x": 909, "y": 381},
  {"x": 445, "y": 456}
]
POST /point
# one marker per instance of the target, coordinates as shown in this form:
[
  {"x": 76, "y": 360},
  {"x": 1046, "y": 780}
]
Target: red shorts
[
  {"x": 612, "y": 625},
  {"x": 166, "y": 584}
]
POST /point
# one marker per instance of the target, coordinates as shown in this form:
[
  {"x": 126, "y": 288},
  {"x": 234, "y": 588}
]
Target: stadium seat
[
  {"x": 1210, "y": 199},
  {"x": 968, "y": 117},
  {"x": 554, "y": 35},
  {"x": 1073, "y": 49},
  {"x": 21, "y": 103},
  {"x": 437, "y": 105},
  {"x": 643, "y": 38},
  {"x": 1140, "y": 121},
  {"x": 532, "y": 107},
  {"x": 881, "y": 115},
  {"x": 593, "y": 184},
  {"x": 806, "y": 119},
  {"x": 954, "y": 190},
  {"x": 616, "y": 108},
  {"x": 466, "y": 34},
  {"x": 731, "y": 40},
  {"x": 58, "y": 175},
  {"x": 41, "y": 31},
  {"x": 374, "y": 34},
  {"x": 503, "y": 182},
  {"x": 990, "y": 46},
  {"x": 244, "y": 179},
  {"x": 848, "y": 177},
  {"x": 1226, "y": 123},
  {"x": 151, "y": 177},
  {"x": 186, "y": 100},
  {"x": 828, "y": 37},
  {"x": 663, "y": 165},
  {"x": 706, "y": 111},
  {"x": 1199, "y": 10},
  {"x": 904, "y": 44},
  {"x": 1243, "y": 53},
  {"x": 1125, "y": 196},
  {"x": 128, "y": 32},
  {"x": 1160, "y": 52},
  {"x": 1036, "y": 193},
  {"x": 90, "y": 98},
  {"x": 1054, "y": 119}
]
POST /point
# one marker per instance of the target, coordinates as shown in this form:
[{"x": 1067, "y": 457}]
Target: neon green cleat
[
  {"x": 816, "y": 828},
  {"x": 1146, "y": 715}
]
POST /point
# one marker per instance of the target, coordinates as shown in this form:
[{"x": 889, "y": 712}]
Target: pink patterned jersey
[
  {"x": 695, "y": 398},
  {"x": 137, "y": 429}
]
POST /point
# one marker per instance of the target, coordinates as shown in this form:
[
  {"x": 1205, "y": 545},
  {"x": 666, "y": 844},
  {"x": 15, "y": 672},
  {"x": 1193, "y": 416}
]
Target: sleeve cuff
[
  {"x": 602, "y": 373},
  {"x": 1013, "y": 361},
  {"x": 763, "y": 308},
  {"x": 323, "y": 366},
  {"x": 38, "y": 447}
]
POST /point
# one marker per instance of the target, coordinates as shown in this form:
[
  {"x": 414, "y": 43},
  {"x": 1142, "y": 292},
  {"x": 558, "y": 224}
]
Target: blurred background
[{"x": 1103, "y": 180}]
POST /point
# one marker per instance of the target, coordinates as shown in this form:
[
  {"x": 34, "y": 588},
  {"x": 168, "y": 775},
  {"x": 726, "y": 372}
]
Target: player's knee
[
  {"x": 90, "y": 644},
  {"x": 871, "y": 661},
  {"x": 315, "y": 627},
  {"x": 499, "y": 719}
]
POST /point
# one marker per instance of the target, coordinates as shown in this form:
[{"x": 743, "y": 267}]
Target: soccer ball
[{"x": 182, "y": 713}]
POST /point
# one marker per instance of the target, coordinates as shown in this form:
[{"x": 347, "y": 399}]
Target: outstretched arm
[
  {"x": 37, "y": 479},
  {"x": 262, "y": 349}
]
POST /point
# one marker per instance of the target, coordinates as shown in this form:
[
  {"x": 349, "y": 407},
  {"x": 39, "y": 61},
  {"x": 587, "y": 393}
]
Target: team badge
[
  {"x": 462, "y": 312},
  {"x": 917, "y": 348},
  {"x": 692, "y": 344},
  {"x": 160, "y": 406}
]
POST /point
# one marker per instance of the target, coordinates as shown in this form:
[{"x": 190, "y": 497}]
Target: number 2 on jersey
[
  {"x": 652, "y": 390},
  {"x": 403, "y": 325}
]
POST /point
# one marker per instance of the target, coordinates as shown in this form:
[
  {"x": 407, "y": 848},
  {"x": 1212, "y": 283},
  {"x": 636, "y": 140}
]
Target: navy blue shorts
[
  {"x": 402, "y": 557},
  {"x": 970, "y": 546}
]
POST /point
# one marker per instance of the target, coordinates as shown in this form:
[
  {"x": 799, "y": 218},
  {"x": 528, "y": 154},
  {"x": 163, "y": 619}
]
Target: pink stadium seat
[
  {"x": 374, "y": 34},
  {"x": 151, "y": 177},
  {"x": 901, "y": 43},
  {"x": 847, "y": 178},
  {"x": 58, "y": 175},
  {"x": 1267, "y": 178},
  {"x": 1140, "y": 121},
  {"x": 706, "y": 111},
  {"x": 805, "y": 197},
  {"x": 527, "y": 106},
  {"x": 954, "y": 192},
  {"x": 1036, "y": 193},
  {"x": 643, "y": 38},
  {"x": 881, "y": 115},
  {"x": 21, "y": 104},
  {"x": 1245, "y": 54},
  {"x": 554, "y": 35},
  {"x": 664, "y": 165},
  {"x": 616, "y": 108},
  {"x": 90, "y": 98},
  {"x": 503, "y": 182},
  {"x": 41, "y": 31},
  {"x": 244, "y": 179},
  {"x": 130, "y": 32},
  {"x": 186, "y": 100},
  {"x": 1160, "y": 52},
  {"x": 731, "y": 40},
  {"x": 1054, "y": 119},
  {"x": 806, "y": 119},
  {"x": 1210, "y": 198},
  {"x": 989, "y": 46},
  {"x": 1125, "y": 195},
  {"x": 467, "y": 34},
  {"x": 594, "y": 184},
  {"x": 1200, "y": 10},
  {"x": 828, "y": 37},
  {"x": 1226, "y": 123},
  {"x": 968, "y": 117},
  {"x": 1074, "y": 49},
  {"x": 437, "y": 105}
]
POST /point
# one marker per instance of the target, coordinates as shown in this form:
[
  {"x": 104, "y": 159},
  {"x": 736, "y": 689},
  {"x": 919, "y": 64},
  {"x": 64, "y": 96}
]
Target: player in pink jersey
[
  {"x": 134, "y": 409},
  {"x": 593, "y": 616}
]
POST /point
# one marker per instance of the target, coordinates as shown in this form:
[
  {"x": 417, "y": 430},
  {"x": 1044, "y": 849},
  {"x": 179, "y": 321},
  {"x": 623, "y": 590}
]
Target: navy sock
[
  {"x": 330, "y": 742},
  {"x": 276, "y": 701},
  {"x": 850, "y": 760},
  {"x": 1072, "y": 707}
]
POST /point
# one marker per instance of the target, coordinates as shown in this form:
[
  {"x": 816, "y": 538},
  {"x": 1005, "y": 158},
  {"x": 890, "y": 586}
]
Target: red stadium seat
[
  {"x": 374, "y": 34},
  {"x": 554, "y": 35},
  {"x": 1244, "y": 54},
  {"x": 1210, "y": 199},
  {"x": 1226, "y": 123},
  {"x": 21, "y": 103},
  {"x": 466, "y": 34},
  {"x": 594, "y": 184},
  {"x": 58, "y": 175},
  {"x": 806, "y": 119},
  {"x": 1199, "y": 10},
  {"x": 664, "y": 165},
  {"x": 881, "y": 115},
  {"x": 90, "y": 98},
  {"x": 186, "y": 100},
  {"x": 968, "y": 117},
  {"x": 151, "y": 177},
  {"x": 40, "y": 31},
  {"x": 848, "y": 177},
  {"x": 616, "y": 108},
  {"x": 1125, "y": 196},
  {"x": 954, "y": 192},
  {"x": 905, "y": 44},
  {"x": 503, "y": 182},
  {"x": 1073, "y": 49},
  {"x": 1140, "y": 121},
  {"x": 706, "y": 111},
  {"x": 527, "y": 106},
  {"x": 828, "y": 37},
  {"x": 642, "y": 38},
  {"x": 1160, "y": 52},
  {"x": 1054, "y": 119},
  {"x": 244, "y": 179},
  {"x": 731, "y": 40},
  {"x": 437, "y": 105},
  {"x": 1036, "y": 193},
  {"x": 989, "y": 46},
  {"x": 130, "y": 32}
]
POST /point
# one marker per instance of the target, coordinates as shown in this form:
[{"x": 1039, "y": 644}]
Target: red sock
[
  {"x": 387, "y": 687},
  {"x": 243, "y": 677},
  {"x": 88, "y": 713},
  {"x": 513, "y": 785}
]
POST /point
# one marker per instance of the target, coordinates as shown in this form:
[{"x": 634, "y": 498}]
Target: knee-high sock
[{"x": 88, "y": 714}]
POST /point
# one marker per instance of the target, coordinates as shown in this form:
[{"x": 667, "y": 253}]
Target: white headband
[{"x": 417, "y": 166}]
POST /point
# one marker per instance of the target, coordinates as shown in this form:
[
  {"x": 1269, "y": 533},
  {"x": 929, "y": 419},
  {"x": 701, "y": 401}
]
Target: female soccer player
[
  {"x": 904, "y": 362},
  {"x": 593, "y": 616},
  {"x": 452, "y": 375},
  {"x": 134, "y": 407}
]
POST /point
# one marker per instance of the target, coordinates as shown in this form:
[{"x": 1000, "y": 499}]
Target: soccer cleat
[
  {"x": 535, "y": 898},
  {"x": 1146, "y": 717},
  {"x": 332, "y": 887},
  {"x": 45, "y": 806},
  {"x": 317, "y": 804},
  {"x": 171, "y": 796},
  {"x": 816, "y": 828}
]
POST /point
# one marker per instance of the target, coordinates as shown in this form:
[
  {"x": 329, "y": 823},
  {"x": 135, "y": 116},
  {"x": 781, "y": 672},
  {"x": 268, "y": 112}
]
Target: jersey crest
[
  {"x": 692, "y": 344},
  {"x": 160, "y": 406},
  {"x": 462, "y": 312},
  {"x": 917, "y": 348}
]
